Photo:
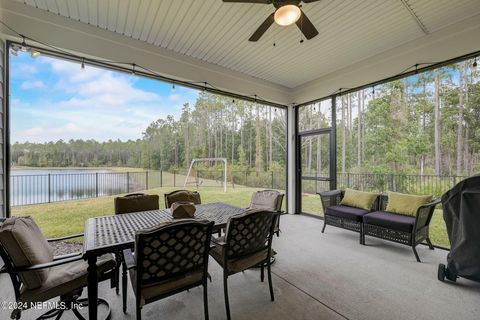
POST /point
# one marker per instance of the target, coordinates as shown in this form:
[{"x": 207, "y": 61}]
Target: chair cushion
[
  {"x": 390, "y": 220},
  {"x": 270, "y": 200},
  {"x": 136, "y": 203},
  {"x": 26, "y": 246},
  {"x": 183, "y": 195},
  {"x": 346, "y": 212},
  {"x": 359, "y": 199},
  {"x": 406, "y": 204},
  {"x": 237, "y": 265},
  {"x": 65, "y": 278},
  {"x": 153, "y": 291}
]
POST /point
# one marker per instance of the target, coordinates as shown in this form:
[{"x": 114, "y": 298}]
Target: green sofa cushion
[
  {"x": 406, "y": 204},
  {"x": 359, "y": 199}
]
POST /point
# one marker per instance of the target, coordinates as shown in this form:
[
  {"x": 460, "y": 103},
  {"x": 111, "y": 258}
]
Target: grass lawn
[{"x": 68, "y": 217}]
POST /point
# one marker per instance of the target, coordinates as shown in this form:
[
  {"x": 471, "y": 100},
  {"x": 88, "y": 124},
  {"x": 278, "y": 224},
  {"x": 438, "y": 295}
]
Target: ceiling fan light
[{"x": 287, "y": 15}]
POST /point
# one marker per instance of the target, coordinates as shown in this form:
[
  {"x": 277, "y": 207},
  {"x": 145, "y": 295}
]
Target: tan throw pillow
[
  {"x": 27, "y": 246},
  {"x": 406, "y": 204},
  {"x": 359, "y": 199}
]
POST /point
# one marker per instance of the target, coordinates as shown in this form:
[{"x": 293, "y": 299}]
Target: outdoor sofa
[{"x": 406, "y": 220}]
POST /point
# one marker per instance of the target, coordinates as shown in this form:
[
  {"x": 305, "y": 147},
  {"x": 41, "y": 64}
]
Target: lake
[{"x": 52, "y": 185}]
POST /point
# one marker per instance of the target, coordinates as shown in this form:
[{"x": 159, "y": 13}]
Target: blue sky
[{"x": 52, "y": 99}]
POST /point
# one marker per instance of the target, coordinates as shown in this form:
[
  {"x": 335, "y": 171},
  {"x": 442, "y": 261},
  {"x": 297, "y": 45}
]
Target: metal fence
[
  {"x": 53, "y": 187},
  {"x": 44, "y": 188},
  {"x": 414, "y": 184}
]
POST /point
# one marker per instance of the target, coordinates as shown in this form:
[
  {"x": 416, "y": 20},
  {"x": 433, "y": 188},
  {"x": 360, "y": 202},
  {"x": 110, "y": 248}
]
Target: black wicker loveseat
[
  {"x": 378, "y": 222},
  {"x": 405, "y": 229}
]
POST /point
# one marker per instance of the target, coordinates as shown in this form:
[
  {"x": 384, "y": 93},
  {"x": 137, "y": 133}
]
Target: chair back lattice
[
  {"x": 136, "y": 202},
  {"x": 182, "y": 195},
  {"x": 172, "y": 250},
  {"x": 249, "y": 233}
]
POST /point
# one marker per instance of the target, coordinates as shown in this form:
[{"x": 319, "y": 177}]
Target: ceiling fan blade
[
  {"x": 263, "y": 27},
  {"x": 250, "y": 1},
  {"x": 309, "y": 1},
  {"x": 306, "y": 26}
]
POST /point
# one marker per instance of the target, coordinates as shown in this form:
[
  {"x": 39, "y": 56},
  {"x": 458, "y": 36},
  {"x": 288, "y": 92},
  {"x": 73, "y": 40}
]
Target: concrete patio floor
[{"x": 317, "y": 276}]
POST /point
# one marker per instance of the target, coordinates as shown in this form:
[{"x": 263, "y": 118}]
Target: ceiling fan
[{"x": 287, "y": 12}]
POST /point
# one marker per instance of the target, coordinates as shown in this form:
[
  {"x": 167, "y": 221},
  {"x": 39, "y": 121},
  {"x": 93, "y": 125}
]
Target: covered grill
[{"x": 461, "y": 211}]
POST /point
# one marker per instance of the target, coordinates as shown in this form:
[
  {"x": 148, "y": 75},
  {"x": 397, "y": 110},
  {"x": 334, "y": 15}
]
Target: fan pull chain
[{"x": 301, "y": 29}]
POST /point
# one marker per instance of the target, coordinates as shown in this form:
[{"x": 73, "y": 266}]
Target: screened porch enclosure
[
  {"x": 84, "y": 164},
  {"x": 293, "y": 157},
  {"x": 411, "y": 135}
]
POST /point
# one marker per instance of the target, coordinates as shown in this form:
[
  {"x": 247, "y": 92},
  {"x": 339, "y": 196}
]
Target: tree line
[
  {"x": 428, "y": 123},
  {"x": 249, "y": 135}
]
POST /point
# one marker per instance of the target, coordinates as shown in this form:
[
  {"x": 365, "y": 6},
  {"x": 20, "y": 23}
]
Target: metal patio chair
[
  {"x": 182, "y": 195},
  {"x": 170, "y": 258},
  {"x": 134, "y": 202},
  {"x": 247, "y": 243},
  {"x": 270, "y": 200},
  {"x": 37, "y": 275}
]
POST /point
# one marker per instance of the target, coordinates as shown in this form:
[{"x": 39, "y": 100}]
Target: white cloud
[
  {"x": 25, "y": 69},
  {"x": 72, "y": 72},
  {"x": 32, "y": 84},
  {"x": 41, "y": 134},
  {"x": 97, "y": 87},
  {"x": 120, "y": 87},
  {"x": 174, "y": 97},
  {"x": 15, "y": 102},
  {"x": 97, "y": 104},
  {"x": 47, "y": 123}
]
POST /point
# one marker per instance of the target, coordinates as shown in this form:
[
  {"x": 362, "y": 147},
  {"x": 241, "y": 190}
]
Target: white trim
[{"x": 291, "y": 160}]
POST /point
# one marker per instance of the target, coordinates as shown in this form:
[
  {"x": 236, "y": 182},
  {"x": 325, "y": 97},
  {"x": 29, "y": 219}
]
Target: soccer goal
[{"x": 193, "y": 178}]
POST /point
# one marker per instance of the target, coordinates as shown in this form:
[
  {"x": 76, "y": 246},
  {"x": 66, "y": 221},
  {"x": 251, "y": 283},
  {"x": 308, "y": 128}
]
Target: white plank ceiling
[{"x": 217, "y": 32}]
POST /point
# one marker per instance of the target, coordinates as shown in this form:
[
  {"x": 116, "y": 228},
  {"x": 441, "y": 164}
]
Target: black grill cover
[{"x": 461, "y": 211}]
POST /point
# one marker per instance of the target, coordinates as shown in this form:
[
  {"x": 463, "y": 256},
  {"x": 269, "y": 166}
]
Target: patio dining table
[{"x": 114, "y": 233}]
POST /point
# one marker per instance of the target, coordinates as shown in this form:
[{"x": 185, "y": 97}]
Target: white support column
[
  {"x": 3, "y": 161},
  {"x": 291, "y": 184}
]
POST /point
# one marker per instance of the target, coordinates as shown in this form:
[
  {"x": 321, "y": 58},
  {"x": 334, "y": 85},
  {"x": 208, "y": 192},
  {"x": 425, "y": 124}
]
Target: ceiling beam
[{"x": 415, "y": 17}]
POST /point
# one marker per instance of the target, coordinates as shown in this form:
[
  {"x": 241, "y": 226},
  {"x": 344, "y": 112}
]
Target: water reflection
[{"x": 42, "y": 186}]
